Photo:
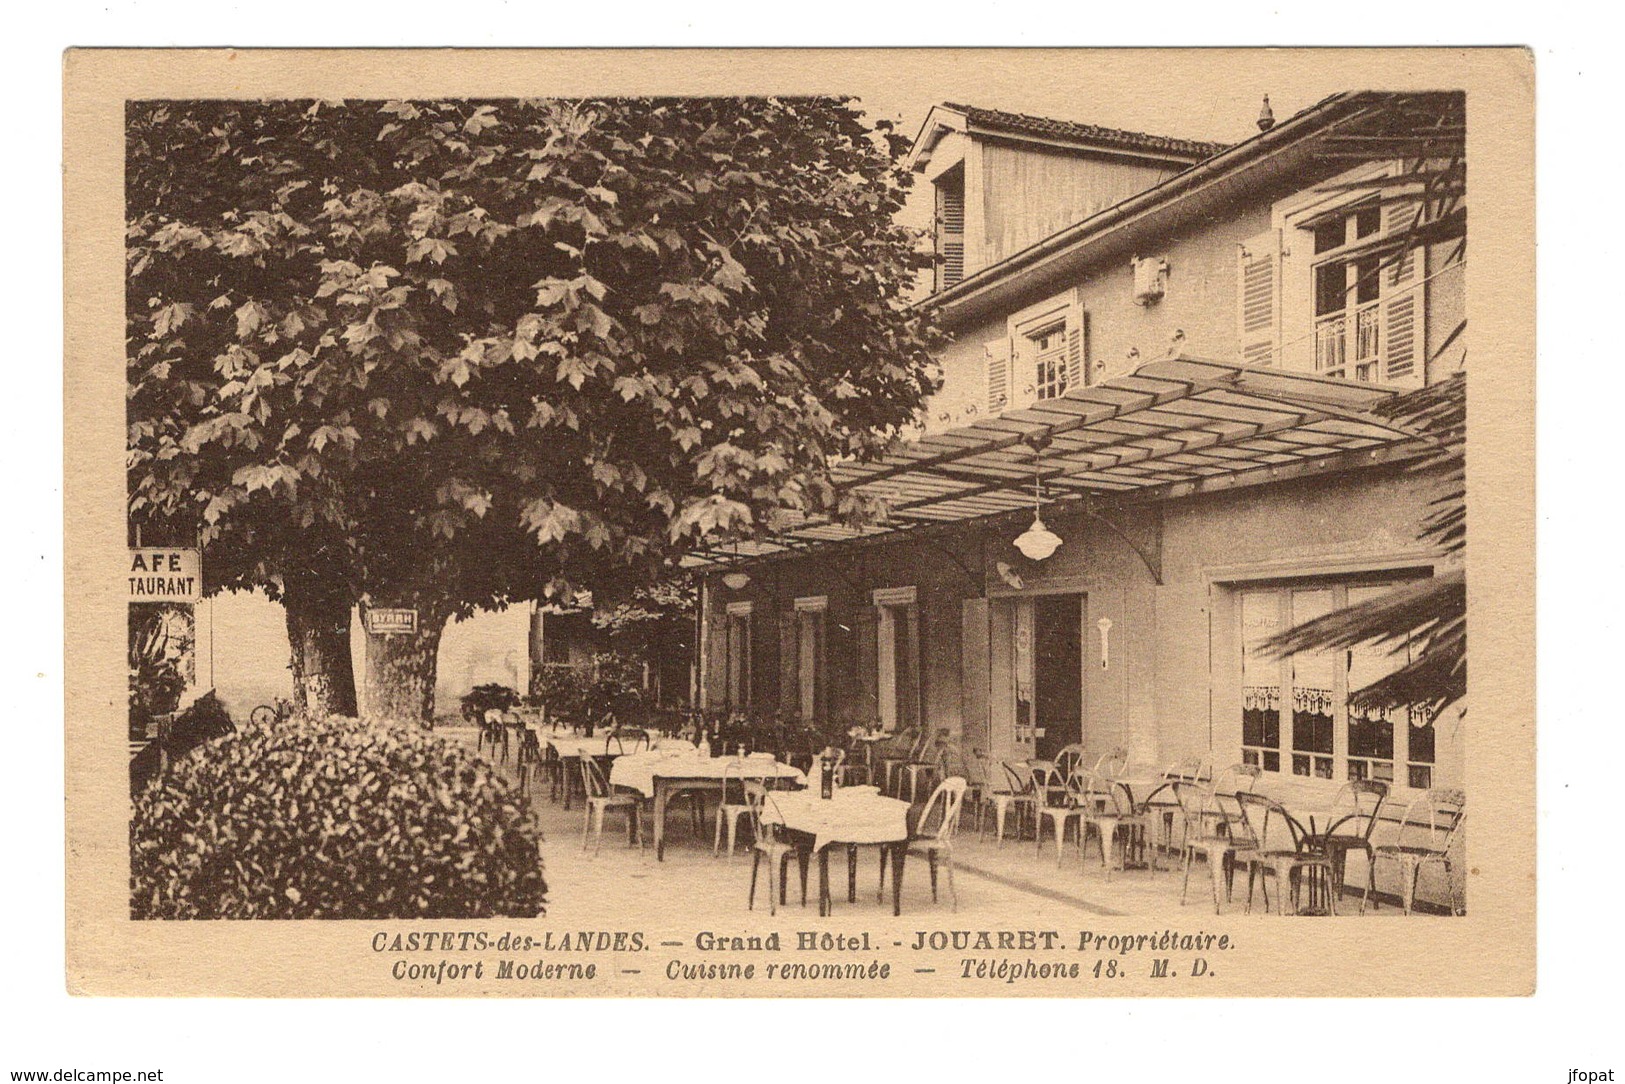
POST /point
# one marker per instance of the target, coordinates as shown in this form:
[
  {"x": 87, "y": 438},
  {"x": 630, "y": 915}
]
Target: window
[
  {"x": 1324, "y": 737},
  {"x": 738, "y": 648},
  {"x": 1044, "y": 352},
  {"x": 810, "y": 657},
  {"x": 1348, "y": 295},
  {"x": 1047, "y": 351}
]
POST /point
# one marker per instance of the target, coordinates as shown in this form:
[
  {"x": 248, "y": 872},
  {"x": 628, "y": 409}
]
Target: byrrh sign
[
  {"x": 382, "y": 622},
  {"x": 165, "y": 575}
]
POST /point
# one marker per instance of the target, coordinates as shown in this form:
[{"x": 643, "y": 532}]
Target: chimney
[{"x": 1266, "y": 117}]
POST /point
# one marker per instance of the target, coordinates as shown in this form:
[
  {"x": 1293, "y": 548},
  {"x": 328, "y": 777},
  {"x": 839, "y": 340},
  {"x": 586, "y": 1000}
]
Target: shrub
[
  {"x": 336, "y": 818},
  {"x": 203, "y": 721},
  {"x": 482, "y": 698}
]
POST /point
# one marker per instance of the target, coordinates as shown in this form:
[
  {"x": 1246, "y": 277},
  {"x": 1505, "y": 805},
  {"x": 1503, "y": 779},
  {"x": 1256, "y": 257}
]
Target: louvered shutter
[
  {"x": 789, "y": 691},
  {"x": 950, "y": 234},
  {"x": 998, "y": 375},
  {"x": 1258, "y": 279},
  {"x": 1077, "y": 345},
  {"x": 866, "y": 638},
  {"x": 974, "y": 672},
  {"x": 1402, "y": 304}
]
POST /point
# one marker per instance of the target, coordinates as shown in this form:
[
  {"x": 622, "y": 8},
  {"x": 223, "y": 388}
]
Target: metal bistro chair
[
  {"x": 1353, "y": 817},
  {"x": 1162, "y": 807},
  {"x": 626, "y": 739},
  {"x": 732, "y": 806},
  {"x": 494, "y": 732},
  {"x": 1425, "y": 837},
  {"x": 934, "y": 835},
  {"x": 924, "y": 762},
  {"x": 1018, "y": 793},
  {"x": 1108, "y": 809},
  {"x": 600, "y": 797},
  {"x": 900, "y": 750},
  {"x": 1281, "y": 850},
  {"x": 1112, "y": 763},
  {"x": 1069, "y": 808},
  {"x": 952, "y": 761},
  {"x": 766, "y": 844},
  {"x": 1215, "y": 828},
  {"x": 1069, "y": 760}
]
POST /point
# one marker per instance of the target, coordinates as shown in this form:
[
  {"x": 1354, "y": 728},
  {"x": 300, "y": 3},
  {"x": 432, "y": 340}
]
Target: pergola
[{"x": 1169, "y": 429}]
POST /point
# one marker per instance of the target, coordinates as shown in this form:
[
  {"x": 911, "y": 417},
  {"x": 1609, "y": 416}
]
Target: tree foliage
[
  {"x": 448, "y": 353},
  {"x": 1427, "y": 133},
  {"x": 1429, "y": 616}
]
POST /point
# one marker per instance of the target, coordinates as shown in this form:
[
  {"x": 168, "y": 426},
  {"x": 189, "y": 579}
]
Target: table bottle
[{"x": 826, "y": 777}]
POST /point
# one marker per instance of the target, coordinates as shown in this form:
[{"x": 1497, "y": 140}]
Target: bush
[
  {"x": 483, "y": 698},
  {"x": 333, "y": 819},
  {"x": 205, "y": 720}
]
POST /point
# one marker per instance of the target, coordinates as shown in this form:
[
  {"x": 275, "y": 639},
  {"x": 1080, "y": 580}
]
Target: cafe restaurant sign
[
  {"x": 157, "y": 574},
  {"x": 386, "y": 622}
]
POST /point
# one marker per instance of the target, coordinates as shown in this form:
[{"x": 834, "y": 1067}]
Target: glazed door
[{"x": 1057, "y": 661}]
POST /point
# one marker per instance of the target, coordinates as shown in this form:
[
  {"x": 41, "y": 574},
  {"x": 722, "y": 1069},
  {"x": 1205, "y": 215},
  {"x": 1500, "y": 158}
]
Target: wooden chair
[
  {"x": 933, "y": 836},
  {"x": 599, "y": 797},
  {"x": 766, "y": 844},
  {"x": 1280, "y": 850},
  {"x": 1426, "y": 835}
]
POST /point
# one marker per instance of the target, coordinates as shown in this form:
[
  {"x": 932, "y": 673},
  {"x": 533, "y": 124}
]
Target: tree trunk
[
  {"x": 319, "y": 636},
  {"x": 401, "y": 668}
]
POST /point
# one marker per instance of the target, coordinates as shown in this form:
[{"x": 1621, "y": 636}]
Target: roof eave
[{"x": 958, "y": 301}]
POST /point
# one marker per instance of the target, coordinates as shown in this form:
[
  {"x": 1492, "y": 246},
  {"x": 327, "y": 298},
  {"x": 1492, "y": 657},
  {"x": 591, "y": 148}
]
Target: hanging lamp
[{"x": 1038, "y": 542}]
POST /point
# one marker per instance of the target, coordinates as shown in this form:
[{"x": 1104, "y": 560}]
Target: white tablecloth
[
  {"x": 637, "y": 771},
  {"x": 573, "y": 745},
  {"x": 852, "y": 815}
]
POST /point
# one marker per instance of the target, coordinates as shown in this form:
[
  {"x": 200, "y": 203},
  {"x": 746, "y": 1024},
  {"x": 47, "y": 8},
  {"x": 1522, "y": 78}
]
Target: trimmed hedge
[{"x": 336, "y": 818}]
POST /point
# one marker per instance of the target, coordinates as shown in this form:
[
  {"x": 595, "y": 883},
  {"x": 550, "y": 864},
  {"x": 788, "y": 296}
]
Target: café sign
[
  {"x": 381, "y": 622},
  {"x": 158, "y": 574}
]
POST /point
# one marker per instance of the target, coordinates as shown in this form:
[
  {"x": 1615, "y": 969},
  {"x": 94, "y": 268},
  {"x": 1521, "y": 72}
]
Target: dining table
[
  {"x": 572, "y": 745},
  {"x": 661, "y": 773},
  {"x": 850, "y": 817}
]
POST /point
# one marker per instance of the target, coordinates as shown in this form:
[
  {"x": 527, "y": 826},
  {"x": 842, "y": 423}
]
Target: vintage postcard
[{"x": 849, "y": 523}]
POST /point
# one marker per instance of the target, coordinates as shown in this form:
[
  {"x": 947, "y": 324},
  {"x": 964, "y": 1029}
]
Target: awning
[{"x": 1169, "y": 429}]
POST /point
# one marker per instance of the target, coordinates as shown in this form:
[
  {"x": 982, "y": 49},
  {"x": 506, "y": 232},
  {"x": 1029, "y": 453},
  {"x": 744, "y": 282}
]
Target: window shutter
[
  {"x": 950, "y": 234},
  {"x": 1258, "y": 280},
  {"x": 1077, "y": 346},
  {"x": 1402, "y": 303},
  {"x": 975, "y": 668},
  {"x": 998, "y": 375},
  {"x": 789, "y": 698}
]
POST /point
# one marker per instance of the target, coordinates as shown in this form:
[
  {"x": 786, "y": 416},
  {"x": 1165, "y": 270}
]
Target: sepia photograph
[{"x": 830, "y": 536}]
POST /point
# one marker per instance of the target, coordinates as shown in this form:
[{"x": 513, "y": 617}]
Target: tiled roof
[{"x": 1026, "y": 124}]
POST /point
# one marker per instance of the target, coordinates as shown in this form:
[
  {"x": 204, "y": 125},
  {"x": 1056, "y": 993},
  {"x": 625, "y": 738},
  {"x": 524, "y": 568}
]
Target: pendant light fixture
[
  {"x": 1038, "y": 542},
  {"x": 736, "y": 580}
]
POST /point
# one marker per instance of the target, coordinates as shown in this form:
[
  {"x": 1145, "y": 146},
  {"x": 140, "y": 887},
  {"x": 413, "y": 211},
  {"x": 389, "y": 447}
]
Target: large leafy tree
[{"x": 451, "y": 354}]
